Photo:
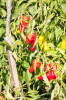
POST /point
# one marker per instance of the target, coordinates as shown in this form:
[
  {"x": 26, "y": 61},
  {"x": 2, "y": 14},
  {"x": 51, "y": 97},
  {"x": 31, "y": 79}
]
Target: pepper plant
[{"x": 38, "y": 35}]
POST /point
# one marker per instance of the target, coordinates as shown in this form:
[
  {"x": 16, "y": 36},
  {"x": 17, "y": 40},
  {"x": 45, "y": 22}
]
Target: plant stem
[
  {"x": 29, "y": 81},
  {"x": 26, "y": 47}
]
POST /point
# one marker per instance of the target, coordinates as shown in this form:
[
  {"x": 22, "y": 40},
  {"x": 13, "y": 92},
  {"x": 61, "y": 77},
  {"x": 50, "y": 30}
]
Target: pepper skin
[
  {"x": 34, "y": 62},
  {"x": 50, "y": 74},
  {"x": 63, "y": 43},
  {"x": 23, "y": 23},
  {"x": 22, "y": 28},
  {"x": 29, "y": 38},
  {"x": 43, "y": 43},
  {"x": 2, "y": 97}
]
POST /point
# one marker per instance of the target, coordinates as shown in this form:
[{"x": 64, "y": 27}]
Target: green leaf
[
  {"x": 30, "y": 2},
  {"x": 33, "y": 91},
  {"x": 51, "y": 45},
  {"x": 15, "y": 56},
  {"x": 19, "y": 2},
  {"x": 10, "y": 96},
  {"x": 32, "y": 10},
  {"x": 61, "y": 51},
  {"x": 51, "y": 52},
  {"x": 2, "y": 30},
  {"x": 2, "y": 21},
  {"x": 58, "y": 33},
  {"x": 3, "y": 2},
  {"x": 17, "y": 93},
  {"x": 33, "y": 54},
  {"x": 64, "y": 68},
  {"x": 33, "y": 94},
  {"x": 1, "y": 83},
  {"x": 1, "y": 49},
  {"x": 23, "y": 78},
  {"x": 46, "y": 20},
  {"x": 63, "y": 19},
  {"x": 64, "y": 92},
  {"x": 55, "y": 91},
  {"x": 46, "y": 80},
  {"x": 29, "y": 98},
  {"x": 11, "y": 37},
  {"x": 50, "y": 16},
  {"x": 20, "y": 11},
  {"x": 28, "y": 78},
  {"x": 3, "y": 12},
  {"x": 63, "y": 8},
  {"x": 17, "y": 42},
  {"x": 5, "y": 43},
  {"x": 26, "y": 65}
]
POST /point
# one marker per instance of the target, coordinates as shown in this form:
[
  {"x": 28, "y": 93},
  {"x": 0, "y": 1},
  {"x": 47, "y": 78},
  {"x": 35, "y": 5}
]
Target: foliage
[{"x": 47, "y": 18}]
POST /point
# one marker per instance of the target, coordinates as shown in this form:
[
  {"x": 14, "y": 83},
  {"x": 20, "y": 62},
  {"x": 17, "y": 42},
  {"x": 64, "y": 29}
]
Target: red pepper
[
  {"x": 55, "y": 65},
  {"x": 38, "y": 64},
  {"x": 24, "y": 20},
  {"x": 29, "y": 38},
  {"x": 24, "y": 23},
  {"x": 33, "y": 42},
  {"x": 50, "y": 66},
  {"x": 40, "y": 78},
  {"x": 2, "y": 97},
  {"x": 50, "y": 75},
  {"x": 22, "y": 28},
  {"x": 45, "y": 68},
  {"x": 32, "y": 49},
  {"x": 31, "y": 69}
]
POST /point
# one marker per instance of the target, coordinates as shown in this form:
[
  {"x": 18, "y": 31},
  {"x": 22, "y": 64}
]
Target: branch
[
  {"x": 8, "y": 18},
  {"x": 11, "y": 59}
]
